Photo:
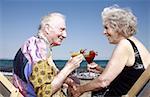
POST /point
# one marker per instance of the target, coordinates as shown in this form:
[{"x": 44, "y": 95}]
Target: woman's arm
[{"x": 114, "y": 67}]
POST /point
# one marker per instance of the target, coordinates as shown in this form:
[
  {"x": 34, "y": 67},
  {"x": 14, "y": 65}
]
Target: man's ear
[{"x": 47, "y": 28}]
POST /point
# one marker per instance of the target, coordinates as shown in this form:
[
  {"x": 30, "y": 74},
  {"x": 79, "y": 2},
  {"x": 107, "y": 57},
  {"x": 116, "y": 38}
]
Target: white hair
[
  {"x": 49, "y": 18},
  {"x": 121, "y": 20}
]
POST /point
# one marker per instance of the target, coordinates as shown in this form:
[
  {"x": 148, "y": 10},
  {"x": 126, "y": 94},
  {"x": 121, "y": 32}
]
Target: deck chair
[
  {"x": 139, "y": 84},
  {"x": 7, "y": 89}
]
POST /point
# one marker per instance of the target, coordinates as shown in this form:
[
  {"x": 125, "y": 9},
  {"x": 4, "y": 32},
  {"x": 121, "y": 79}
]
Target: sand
[{"x": 86, "y": 94}]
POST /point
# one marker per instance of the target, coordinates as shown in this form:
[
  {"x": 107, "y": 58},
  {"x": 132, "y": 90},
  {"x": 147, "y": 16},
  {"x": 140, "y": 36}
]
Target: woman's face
[{"x": 112, "y": 36}]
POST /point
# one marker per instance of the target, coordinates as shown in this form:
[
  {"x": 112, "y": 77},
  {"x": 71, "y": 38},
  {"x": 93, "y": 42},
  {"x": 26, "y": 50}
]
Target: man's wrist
[{"x": 69, "y": 68}]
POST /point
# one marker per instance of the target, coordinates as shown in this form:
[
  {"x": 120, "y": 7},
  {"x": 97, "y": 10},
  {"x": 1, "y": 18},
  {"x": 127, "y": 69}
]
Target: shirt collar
[{"x": 41, "y": 36}]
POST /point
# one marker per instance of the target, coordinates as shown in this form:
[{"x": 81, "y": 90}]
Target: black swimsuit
[{"x": 125, "y": 80}]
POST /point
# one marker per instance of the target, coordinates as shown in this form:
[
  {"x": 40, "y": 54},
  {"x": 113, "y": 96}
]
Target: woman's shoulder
[
  {"x": 144, "y": 52},
  {"x": 124, "y": 44},
  {"x": 123, "y": 48}
]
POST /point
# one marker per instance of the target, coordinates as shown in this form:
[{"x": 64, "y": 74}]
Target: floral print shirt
[{"x": 34, "y": 68}]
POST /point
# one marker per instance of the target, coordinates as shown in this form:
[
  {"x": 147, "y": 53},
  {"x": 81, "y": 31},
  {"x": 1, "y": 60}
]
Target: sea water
[{"x": 7, "y": 65}]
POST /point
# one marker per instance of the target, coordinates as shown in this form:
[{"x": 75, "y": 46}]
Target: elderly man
[{"x": 35, "y": 73}]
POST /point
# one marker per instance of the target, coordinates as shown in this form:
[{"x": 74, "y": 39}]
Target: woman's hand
[{"x": 93, "y": 67}]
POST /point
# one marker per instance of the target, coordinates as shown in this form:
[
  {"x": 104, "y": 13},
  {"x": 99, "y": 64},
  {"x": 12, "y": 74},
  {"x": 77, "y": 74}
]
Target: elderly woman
[
  {"x": 128, "y": 61},
  {"x": 35, "y": 73}
]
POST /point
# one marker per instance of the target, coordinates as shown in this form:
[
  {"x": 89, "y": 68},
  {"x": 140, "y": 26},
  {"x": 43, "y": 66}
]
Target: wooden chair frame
[
  {"x": 8, "y": 87},
  {"x": 139, "y": 84}
]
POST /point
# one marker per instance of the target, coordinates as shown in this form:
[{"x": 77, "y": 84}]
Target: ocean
[{"x": 7, "y": 65}]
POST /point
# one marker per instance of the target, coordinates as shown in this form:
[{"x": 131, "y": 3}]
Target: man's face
[{"x": 57, "y": 31}]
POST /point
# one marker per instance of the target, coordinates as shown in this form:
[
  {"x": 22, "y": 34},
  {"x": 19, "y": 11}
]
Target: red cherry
[{"x": 82, "y": 51}]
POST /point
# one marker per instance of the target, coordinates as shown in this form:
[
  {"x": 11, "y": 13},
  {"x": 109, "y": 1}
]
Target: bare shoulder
[
  {"x": 121, "y": 52},
  {"x": 144, "y": 53},
  {"x": 124, "y": 45},
  {"x": 124, "y": 42}
]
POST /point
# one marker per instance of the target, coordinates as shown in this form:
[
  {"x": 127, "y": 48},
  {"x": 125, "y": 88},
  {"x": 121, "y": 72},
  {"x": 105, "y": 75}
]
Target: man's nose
[{"x": 64, "y": 34}]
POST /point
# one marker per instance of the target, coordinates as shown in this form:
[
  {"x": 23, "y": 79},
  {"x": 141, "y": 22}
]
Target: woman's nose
[{"x": 104, "y": 32}]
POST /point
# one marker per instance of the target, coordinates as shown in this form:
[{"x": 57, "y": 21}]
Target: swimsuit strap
[{"x": 138, "y": 59}]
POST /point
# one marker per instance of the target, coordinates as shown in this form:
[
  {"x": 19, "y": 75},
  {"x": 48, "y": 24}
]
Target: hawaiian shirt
[{"x": 34, "y": 68}]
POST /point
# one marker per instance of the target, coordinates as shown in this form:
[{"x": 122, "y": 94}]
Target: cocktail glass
[
  {"x": 73, "y": 54},
  {"x": 89, "y": 57}
]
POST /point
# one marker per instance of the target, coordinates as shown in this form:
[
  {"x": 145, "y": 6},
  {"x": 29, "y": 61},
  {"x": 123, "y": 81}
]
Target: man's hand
[
  {"x": 74, "y": 62},
  {"x": 76, "y": 91}
]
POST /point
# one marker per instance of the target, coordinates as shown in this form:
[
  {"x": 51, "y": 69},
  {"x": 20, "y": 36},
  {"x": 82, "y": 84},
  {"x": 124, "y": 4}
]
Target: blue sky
[{"x": 19, "y": 20}]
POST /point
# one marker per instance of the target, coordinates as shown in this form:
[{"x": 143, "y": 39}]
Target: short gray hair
[
  {"x": 121, "y": 20},
  {"x": 48, "y": 18}
]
